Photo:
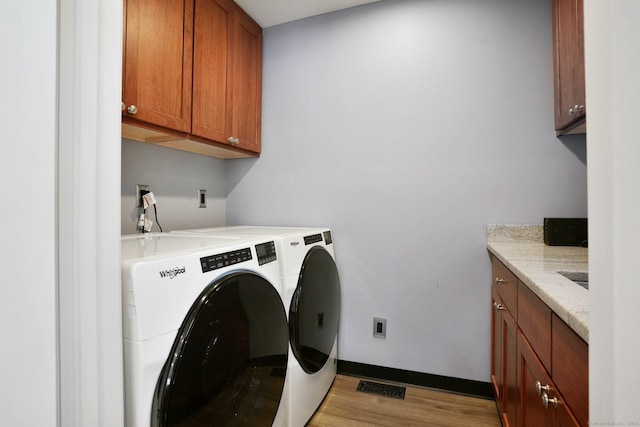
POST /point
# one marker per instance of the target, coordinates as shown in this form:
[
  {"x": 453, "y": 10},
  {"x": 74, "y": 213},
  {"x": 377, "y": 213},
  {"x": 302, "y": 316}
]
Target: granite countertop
[{"x": 522, "y": 250}]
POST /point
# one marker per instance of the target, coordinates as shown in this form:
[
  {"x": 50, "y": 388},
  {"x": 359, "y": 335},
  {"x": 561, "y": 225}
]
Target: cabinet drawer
[
  {"x": 570, "y": 368},
  {"x": 506, "y": 284},
  {"x": 534, "y": 319}
]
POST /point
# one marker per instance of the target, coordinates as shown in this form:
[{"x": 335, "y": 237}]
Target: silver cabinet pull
[
  {"x": 233, "y": 140},
  {"x": 498, "y": 307},
  {"x": 123, "y": 107},
  {"x": 499, "y": 280},
  {"x": 576, "y": 109},
  {"x": 542, "y": 388},
  {"x": 545, "y": 399},
  {"x": 132, "y": 109}
]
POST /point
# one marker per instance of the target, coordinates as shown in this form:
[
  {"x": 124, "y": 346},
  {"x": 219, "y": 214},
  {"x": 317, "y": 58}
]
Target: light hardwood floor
[{"x": 346, "y": 407}]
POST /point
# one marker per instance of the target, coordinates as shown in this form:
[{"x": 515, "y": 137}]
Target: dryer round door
[
  {"x": 228, "y": 362},
  {"x": 314, "y": 313}
]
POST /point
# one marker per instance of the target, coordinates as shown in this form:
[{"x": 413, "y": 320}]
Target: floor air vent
[{"x": 381, "y": 389}]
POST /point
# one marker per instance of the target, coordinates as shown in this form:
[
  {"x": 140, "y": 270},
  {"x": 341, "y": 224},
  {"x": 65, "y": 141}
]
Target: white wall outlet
[
  {"x": 379, "y": 327},
  {"x": 139, "y": 188}
]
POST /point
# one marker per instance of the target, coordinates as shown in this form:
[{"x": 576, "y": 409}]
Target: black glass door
[
  {"x": 315, "y": 310},
  {"x": 228, "y": 362}
]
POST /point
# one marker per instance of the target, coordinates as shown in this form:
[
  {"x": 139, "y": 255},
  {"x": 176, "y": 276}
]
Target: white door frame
[{"x": 89, "y": 304}]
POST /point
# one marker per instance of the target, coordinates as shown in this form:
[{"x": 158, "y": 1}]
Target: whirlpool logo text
[{"x": 173, "y": 272}]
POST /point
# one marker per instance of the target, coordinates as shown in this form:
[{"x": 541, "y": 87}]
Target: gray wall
[
  {"x": 407, "y": 126},
  {"x": 174, "y": 177}
]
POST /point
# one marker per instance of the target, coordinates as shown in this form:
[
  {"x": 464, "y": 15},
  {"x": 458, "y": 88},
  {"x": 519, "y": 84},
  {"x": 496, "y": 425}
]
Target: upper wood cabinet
[
  {"x": 192, "y": 76},
  {"x": 568, "y": 49}
]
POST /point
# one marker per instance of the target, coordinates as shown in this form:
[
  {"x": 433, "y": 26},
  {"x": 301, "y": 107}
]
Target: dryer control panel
[
  {"x": 266, "y": 252},
  {"x": 214, "y": 262}
]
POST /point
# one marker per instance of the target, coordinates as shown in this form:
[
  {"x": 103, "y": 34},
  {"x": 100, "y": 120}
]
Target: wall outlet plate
[
  {"x": 379, "y": 327},
  {"x": 140, "y": 187},
  {"x": 202, "y": 198}
]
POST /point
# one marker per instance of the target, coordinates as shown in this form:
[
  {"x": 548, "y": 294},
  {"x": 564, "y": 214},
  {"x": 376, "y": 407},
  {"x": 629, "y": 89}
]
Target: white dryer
[
  {"x": 311, "y": 294},
  {"x": 205, "y": 331}
]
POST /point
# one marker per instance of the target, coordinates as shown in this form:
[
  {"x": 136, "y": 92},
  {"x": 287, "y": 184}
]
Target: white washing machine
[
  {"x": 205, "y": 331},
  {"x": 311, "y": 295}
]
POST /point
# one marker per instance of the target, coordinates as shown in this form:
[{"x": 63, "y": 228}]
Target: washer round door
[
  {"x": 228, "y": 362},
  {"x": 314, "y": 313}
]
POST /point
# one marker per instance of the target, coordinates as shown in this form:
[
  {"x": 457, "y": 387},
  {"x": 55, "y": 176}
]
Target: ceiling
[{"x": 268, "y": 13}]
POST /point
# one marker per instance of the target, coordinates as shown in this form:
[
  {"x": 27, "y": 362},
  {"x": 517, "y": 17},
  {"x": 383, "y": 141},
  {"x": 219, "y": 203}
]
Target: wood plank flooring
[{"x": 346, "y": 407}]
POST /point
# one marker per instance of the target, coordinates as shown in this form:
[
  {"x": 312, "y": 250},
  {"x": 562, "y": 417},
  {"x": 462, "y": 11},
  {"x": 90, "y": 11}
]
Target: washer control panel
[
  {"x": 214, "y": 262},
  {"x": 314, "y": 238}
]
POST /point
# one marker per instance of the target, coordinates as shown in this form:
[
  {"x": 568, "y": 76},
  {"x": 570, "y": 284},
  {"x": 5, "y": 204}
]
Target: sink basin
[{"x": 579, "y": 277}]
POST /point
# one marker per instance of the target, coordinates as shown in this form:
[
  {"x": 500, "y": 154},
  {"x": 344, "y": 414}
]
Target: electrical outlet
[
  {"x": 379, "y": 327},
  {"x": 139, "y": 188},
  {"x": 202, "y": 196}
]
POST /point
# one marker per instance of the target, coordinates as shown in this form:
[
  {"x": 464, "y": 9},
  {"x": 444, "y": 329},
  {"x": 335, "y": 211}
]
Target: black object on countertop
[{"x": 566, "y": 232}]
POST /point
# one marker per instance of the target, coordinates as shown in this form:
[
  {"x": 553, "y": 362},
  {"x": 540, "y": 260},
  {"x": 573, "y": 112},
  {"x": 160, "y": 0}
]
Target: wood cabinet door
[
  {"x": 510, "y": 375},
  {"x": 568, "y": 24},
  {"x": 227, "y": 75},
  {"x": 504, "y": 360},
  {"x": 158, "y": 40},
  {"x": 247, "y": 82},
  {"x": 212, "y": 56},
  {"x": 570, "y": 369},
  {"x": 496, "y": 348},
  {"x": 530, "y": 371},
  {"x": 531, "y": 410}
]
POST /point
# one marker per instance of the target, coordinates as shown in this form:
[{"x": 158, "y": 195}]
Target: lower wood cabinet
[{"x": 539, "y": 366}]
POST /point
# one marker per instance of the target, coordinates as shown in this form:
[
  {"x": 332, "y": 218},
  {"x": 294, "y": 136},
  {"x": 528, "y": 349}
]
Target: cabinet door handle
[
  {"x": 498, "y": 307},
  {"x": 123, "y": 107},
  {"x": 545, "y": 399},
  {"x": 499, "y": 280},
  {"x": 542, "y": 388},
  {"x": 132, "y": 109},
  {"x": 233, "y": 140},
  {"x": 576, "y": 109}
]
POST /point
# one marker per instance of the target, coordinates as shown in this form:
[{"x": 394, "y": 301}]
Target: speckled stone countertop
[{"x": 522, "y": 250}]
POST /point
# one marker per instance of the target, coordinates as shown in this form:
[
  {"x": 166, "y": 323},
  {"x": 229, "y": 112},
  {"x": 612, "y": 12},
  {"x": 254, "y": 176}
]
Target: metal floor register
[{"x": 381, "y": 389}]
